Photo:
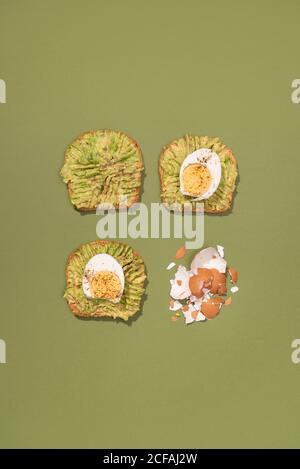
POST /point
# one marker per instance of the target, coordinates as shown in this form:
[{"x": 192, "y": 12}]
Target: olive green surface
[{"x": 155, "y": 70}]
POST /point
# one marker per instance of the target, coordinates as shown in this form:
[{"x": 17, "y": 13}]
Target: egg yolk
[
  {"x": 105, "y": 285},
  {"x": 196, "y": 179}
]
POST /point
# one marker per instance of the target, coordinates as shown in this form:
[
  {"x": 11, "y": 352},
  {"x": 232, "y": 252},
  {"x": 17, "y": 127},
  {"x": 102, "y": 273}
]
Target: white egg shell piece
[
  {"x": 200, "y": 317},
  {"x": 220, "y": 250},
  {"x": 209, "y": 258},
  {"x": 180, "y": 285},
  {"x": 188, "y": 315},
  {"x": 100, "y": 263},
  {"x": 211, "y": 160},
  {"x": 175, "y": 306}
]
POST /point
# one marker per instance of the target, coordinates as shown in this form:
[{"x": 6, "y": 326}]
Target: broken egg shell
[
  {"x": 211, "y": 307},
  {"x": 191, "y": 314},
  {"x": 228, "y": 301},
  {"x": 197, "y": 304},
  {"x": 193, "y": 299},
  {"x": 200, "y": 317},
  {"x": 209, "y": 258},
  {"x": 194, "y": 314},
  {"x": 196, "y": 285},
  {"x": 180, "y": 286},
  {"x": 218, "y": 286},
  {"x": 188, "y": 311},
  {"x": 170, "y": 266},
  {"x": 201, "y": 280},
  {"x": 206, "y": 275},
  {"x": 233, "y": 274},
  {"x": 220, "y": 250},
  {"x": 174, "y": 305},
  {"x": 180, "y": 253}
]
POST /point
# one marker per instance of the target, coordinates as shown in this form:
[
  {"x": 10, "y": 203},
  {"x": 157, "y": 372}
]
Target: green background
[{"x": 155, "y": 70}]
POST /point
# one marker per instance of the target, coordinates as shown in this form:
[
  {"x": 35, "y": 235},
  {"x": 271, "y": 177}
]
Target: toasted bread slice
[
  {"x": 134, "y": 272},
  {"x": 170, "y": 161},
  {"x": 103, "y": 167}
]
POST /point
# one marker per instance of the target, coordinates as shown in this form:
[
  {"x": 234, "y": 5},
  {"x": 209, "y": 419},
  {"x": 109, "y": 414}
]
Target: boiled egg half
[
  {"x": 103, "y": 278},
  {"x": 200, "y": 174}
]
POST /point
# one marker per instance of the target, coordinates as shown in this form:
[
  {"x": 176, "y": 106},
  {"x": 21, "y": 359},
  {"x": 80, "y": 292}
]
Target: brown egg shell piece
[
  {"x": 228, "y": 301},
  {"x": 180, "y": 253},
  {"x": 233, "y": 274},
  {"x": 206, "y": 276},
  {"x": 211, "y": 307},
  {"x": 218, "y": 286},
  {"x": 201, "y": 280},
  {"x": 196, "y": 286}
]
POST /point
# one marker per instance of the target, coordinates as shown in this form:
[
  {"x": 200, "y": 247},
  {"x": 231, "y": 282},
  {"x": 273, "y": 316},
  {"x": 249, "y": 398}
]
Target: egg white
[
  {"x": 213, "y": 164},
  {"x": 100, "y": 263}
]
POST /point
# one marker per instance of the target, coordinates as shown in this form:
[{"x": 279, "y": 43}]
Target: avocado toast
[
  {"x": 133, "y": 269},
  {"x": 103, "y": 167},
  {"x": 171, "y": 160}
]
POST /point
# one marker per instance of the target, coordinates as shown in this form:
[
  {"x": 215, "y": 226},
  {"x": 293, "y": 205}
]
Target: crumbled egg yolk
[
  {"x": 196, "y": 179},
  {"x": 105, "y": 284}
]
